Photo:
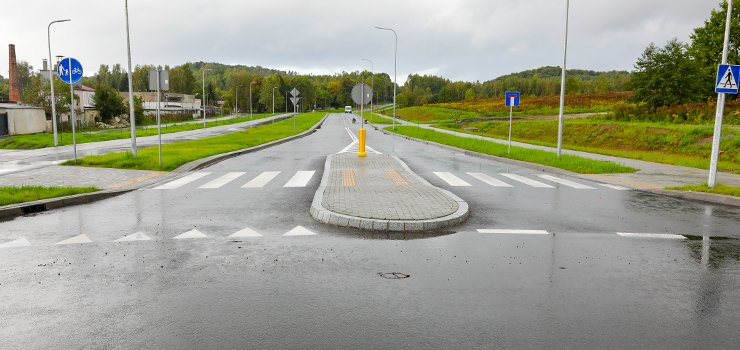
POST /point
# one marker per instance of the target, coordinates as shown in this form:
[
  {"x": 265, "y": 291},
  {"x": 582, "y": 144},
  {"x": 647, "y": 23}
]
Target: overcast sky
[{"x": 458, "y": 39}]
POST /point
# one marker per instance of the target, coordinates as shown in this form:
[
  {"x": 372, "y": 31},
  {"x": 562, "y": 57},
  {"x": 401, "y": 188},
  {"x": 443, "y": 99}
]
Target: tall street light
[
  {"x": 205, "y": 96},
  {"x": 51, "y": 79},
  {"x": 250, "y": 101},
  {"x": 395, "y": 76},
  {"x": 562, "y": 83},
  {"x": 720, "y": 108},
  {"x": 273, "y": 99},
  {"x": 372, "y": 85},
  {"x": 237, "y": 98},
  {"x": 131, "y": 102}
]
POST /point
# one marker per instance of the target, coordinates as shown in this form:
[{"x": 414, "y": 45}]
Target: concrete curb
[
  {"x": 694, "y": 196},
  {"x": 326, "y": 216},
  {"x": 11, "y": 211}
]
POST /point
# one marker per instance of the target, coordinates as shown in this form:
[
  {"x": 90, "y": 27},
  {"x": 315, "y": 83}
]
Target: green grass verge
[
  {"x": 177, "y": 154},
  {"x": 376, "y": 118},
  {"x": 42, "y": 140},
  {"x": 683, "y": 145},
  {"x": 14, "y": 195},
  {"x": 567, "y": 162},
  {"x": 718, "y": 189}
]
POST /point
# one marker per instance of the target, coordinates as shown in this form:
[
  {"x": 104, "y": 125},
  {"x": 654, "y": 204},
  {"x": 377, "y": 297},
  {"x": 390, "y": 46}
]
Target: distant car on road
[{"x": 348, "y": 109}]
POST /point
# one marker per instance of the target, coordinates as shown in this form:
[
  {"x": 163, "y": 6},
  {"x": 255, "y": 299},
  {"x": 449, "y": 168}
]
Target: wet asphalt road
[{"x": 581, "y": 286}]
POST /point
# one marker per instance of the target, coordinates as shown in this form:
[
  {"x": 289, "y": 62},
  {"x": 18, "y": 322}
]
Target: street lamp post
[
  {"x": 205, "y": 96},
  {"x": 286, "y": 102},
  {"x": 51, "y": 79},
  {"x": 273, "y": 99},
  {"x": 395, "y": 76},
  {"x": 372, "y": 85},
  {"x": 562, "y": 83},
  {"x": 720, "y": 108},
  {"x": 131, "y": 102},
  {"x": 237, "y": 98},
  {"x": 250, "y": 101}
]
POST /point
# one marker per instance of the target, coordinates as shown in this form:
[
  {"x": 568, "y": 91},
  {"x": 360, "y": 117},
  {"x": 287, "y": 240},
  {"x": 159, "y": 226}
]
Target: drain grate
[
  {"x": 36, "y": 208},
  {"x": 393, "y": 275}
]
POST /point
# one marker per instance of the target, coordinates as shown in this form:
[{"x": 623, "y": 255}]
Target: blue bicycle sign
[{"x": 69, "y": 70}]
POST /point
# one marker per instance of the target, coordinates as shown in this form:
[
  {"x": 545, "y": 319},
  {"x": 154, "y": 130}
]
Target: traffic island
[{"x": 380, "y": 193}]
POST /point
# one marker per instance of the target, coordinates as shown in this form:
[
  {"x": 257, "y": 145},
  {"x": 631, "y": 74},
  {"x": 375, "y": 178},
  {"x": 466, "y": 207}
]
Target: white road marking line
[
  {"x": 299, "y": 231},
  {"x": 451, "y": 179},
  {"x": 181, "y": 181},
  {"x": 223, "y": 180},
  {"x": 7, "y": 170},
  {"x": 651, "y": 235},
  {"x": 526, "y": 181},
  {"x": 300, "y": 179},
  {"x": 489, "y": 180},
  {"x": 191, "y": 234},
  {"x": 261, "y": 180},
  {"x": 247, "y": 232},
  {"x": 616, "y": 187},
  {"x": 76, "y": 240},
  {"x": 514, "y": 232},
  {"x": 354, "y": 147},
  {"x": 566, "y": 182},
  {"x": 21, "y": 242},
  {"x": 138, "y": 236},
  {"x": 351, "y": 134}
]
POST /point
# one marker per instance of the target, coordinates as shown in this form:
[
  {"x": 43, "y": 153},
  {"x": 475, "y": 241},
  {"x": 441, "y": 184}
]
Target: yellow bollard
[{"x": 362, "y": 153}]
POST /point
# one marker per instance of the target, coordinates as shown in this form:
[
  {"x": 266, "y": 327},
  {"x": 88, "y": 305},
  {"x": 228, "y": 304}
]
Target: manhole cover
[{"x": 393, "y": 275}]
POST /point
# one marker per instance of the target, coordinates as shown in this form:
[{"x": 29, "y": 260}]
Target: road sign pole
[
  {"x": 562, "y": 83},
  {"x": 72, "y": 109},
  {"x": 511, "y": 114},
  {"x": 159, "y": 123},
  {"x": 720, "y": 108}
]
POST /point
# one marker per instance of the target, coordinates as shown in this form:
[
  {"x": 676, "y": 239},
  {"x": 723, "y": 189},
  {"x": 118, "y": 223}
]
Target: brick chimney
[{"x": 15, "y": 92}]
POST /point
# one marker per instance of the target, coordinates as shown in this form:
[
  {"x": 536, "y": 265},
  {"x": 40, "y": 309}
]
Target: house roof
[{"x": 87, "y": 88}]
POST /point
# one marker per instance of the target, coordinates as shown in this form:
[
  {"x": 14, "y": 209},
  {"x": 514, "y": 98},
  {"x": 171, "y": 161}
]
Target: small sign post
[
  {"x": 70, "y": 71},
  {"x": 159, "y": 80},
  {"x": 512, "y": 100}
]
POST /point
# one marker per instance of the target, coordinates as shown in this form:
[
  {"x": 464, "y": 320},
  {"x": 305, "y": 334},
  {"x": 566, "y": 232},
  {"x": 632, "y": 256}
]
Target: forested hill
[
  {"x": 554, "y": 73},
  {"x": 221, "y": 68}
]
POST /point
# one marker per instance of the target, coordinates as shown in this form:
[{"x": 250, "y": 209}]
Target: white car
[{"x": 348, "y": 109}]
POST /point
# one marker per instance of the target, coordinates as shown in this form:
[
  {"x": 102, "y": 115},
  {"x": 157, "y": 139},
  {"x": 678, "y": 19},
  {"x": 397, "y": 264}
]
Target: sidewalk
[{"x": 380, "y": 193}]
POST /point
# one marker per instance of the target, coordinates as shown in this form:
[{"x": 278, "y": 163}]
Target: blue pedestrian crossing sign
[
  {"x": 512, "y": 99},
  {"x": 727, "y": 79},
  {"x": 69, "y": 70}
]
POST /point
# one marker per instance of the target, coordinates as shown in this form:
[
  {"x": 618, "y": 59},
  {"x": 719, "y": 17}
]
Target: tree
[
  {"x": 268, "y": 84},
  {"x": 108, "y": 102},
  {"x": 25, "y": 74},
  {"x": 402, "y": 101},
  {"x": 470, "y": 94},
  {"x": 138, "y": 107},
  {"x": 666, "y": 75},
  {"x": 572, "y": 85},
  {"x": 4, "y": 91},
  {"x": 708, "y": 41},
  {"x": 38, "y": 93},
  {"x": 445, "y": 96}
]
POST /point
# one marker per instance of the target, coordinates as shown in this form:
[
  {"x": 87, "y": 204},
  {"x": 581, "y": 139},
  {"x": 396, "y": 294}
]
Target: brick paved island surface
[{"x": 380, "y": 193}]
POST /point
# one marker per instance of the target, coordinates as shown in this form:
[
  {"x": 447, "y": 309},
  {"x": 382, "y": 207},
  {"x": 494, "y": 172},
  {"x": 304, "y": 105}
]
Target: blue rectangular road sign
[
  {"x": 727, "y": 79},
  {"x": 512, "y": 99}
]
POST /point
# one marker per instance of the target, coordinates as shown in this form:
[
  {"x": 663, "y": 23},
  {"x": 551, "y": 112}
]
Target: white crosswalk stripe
[
  {"x": 181, "y": 181},
  {"x": 489, "y": 180},
  {"x": 223, "y": 180},
  {"x": 300, "y": 179},
  {"x": 566, "y": 182},
  {"x": 651, "y": 235},
  {"x": 261, "y": 180},
  {"x": 514, "y": 232},
  {"x": 527, "y": 181},
  {"x": 616, "y": 187},
  {"x": 451, "y": 179}
]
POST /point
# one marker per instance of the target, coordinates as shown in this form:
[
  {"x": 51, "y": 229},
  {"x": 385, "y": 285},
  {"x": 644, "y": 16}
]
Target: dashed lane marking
[
  {"x": 261, "y": 180},
  {"x": 138, "y": 236},
  {"x": 452, "y": 180},
  {"x": 527, "y": 181},
  {"x": 566, "y": 182},
  {"x": 514, "y": 232},
  {"x": 348, "y": 177},
  {"x": 299, "y": 231},
  {"x": 396, "y": 177},
  {"x": 300, "y": 179},
  {"x": 136, "y": 180},
  {"x": 489, "y": 180},
  {"x": 21, "y": 242},
  {"x": 191, "y": 234},
  {"x": 223, "y": 180},
  {"x": 76, "y": 240},
  {"x": 651, "y": 235},
  {"x": 247, "y": 232},
  {"x": 181, "y": 181}
]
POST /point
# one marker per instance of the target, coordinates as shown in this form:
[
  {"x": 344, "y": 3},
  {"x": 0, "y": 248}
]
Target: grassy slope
[
  {"x": 14, "y": 195},
  {"x": 177, "y": 154},
  {"x": 567, "y": 162},
  {"x": 683, "y": 145},
  {"x": 719, "y": 189}
]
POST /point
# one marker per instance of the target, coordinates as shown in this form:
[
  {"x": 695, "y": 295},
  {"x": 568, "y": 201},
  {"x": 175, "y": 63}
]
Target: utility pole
[
  {"x": 131, "y": 102},
  {"x": 562, "y": 83},
  {"x": 720, "y": 108}
]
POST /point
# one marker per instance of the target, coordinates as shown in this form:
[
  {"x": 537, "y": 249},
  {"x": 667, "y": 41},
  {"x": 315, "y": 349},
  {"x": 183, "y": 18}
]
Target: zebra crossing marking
[
  {"x": 75, "y": 240},
  {"x": 616, "y": 187},
  {"x": 299, "y": 231},
  {"x": 223, "y": 180},
  {"x": 191, "y": 234},
  {"x": 651, "y": 235},
  {"x": 21, "y": 242},
  {"x": 489, "y": 180},
  {"x": 261, "y": 180},
  {"x": 526, "y": 181},
  {"x": 566, "y": 182},
  {"x": 181, "y": 181},
  {"x": 138, "y": 236},
  {"x": 514, "y": 232},
  {"x": 247, "y": 232},
  {"x": 452, "y": 180},
  {"x": 300, "y": 179}
]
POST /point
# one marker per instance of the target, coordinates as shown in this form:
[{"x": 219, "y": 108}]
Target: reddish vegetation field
[{"x": 542, "y": 105}]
